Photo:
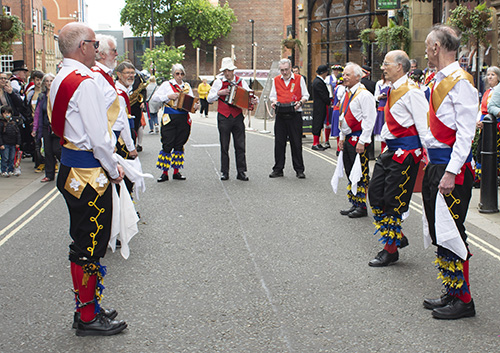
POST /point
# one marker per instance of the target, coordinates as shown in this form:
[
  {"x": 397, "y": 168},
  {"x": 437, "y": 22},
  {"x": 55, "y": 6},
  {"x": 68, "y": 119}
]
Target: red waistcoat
[
  {"x": 226, "y": 109},
  {"x": 290, "y": 93}
]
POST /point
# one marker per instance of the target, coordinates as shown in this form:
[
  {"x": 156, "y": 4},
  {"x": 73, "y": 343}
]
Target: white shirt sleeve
[
  {"x": 273, "y": 96},
  {"x": 465, "y": 101},
  {"x": 95, "y": 123},
  {"x": 212, "y": 94},
  {"x": 369, "y": 113},
  {"x": 303, "y": 88},
  {"x": 161, "y": 94}
]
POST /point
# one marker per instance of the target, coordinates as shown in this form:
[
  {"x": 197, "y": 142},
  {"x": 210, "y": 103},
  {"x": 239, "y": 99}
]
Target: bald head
[
  {"x": 76, "y": 41},
  {"x": 446, "y": 36}
]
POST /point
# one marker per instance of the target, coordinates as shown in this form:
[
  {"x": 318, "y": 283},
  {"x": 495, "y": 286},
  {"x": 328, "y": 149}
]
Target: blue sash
[
  {"x": 78, "y": 159},
  {"x": 168, "y": 110},
  {"x": 407, "y": 143},
  {"x": 442, "y": 155}
]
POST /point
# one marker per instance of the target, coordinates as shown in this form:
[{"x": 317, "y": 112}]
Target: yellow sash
[
  {"x": 396, "y": 94},
  {"x": 445, "y": 86}
]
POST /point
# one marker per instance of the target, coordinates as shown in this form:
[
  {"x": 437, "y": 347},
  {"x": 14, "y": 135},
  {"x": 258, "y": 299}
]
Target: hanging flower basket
[{"x": 5, "y": 23}]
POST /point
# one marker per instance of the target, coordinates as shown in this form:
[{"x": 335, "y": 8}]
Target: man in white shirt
[
  {"x": 87, "y": 168},
  {"x": 357, "y": 118},
  {"x": 395, "y": 172},
  {"x": 449, "y": 176}
]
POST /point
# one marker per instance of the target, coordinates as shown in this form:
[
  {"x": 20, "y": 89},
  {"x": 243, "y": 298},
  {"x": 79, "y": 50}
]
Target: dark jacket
[
  {"x": 9, "y": 133},
  {"x": 321, "y": 98},
  {"x": 369, "y": 84}
]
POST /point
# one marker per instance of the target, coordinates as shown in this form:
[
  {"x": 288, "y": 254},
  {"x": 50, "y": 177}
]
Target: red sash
[
  {"x": 440, "y": 131},
  {"x": 127, "y": 100},
  {"x": 484, "y": 101},
  {"x": 105, "y": 75},
  {"x": 394, "y": 127},
  {"x": 66, "y": 90}
]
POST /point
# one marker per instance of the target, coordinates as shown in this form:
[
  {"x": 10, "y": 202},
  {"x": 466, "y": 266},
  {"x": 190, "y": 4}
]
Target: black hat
[
  {"x": 19, "y": 66},
  {"x": 322, "y": 69}
]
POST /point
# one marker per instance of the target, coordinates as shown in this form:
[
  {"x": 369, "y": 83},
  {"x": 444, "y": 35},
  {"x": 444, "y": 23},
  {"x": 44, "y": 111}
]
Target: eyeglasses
[
  {"x": 387, "y": 64},
  {"x": 114, "y": 50},
  {"x": 179, "y": 74},
  {"x": 96, "y": 43},
  {"x": 3, "y": 78}
]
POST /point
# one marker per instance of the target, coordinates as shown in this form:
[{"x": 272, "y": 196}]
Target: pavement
[{"x": 14, "y": 190}]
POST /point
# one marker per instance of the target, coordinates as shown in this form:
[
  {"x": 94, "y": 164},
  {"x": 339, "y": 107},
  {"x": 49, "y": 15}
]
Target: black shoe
[
  {"x": 109, "y": 313},
  {"x": 224, "y": 176},
  {"x": 301, "y": 175},
  {"x": 346, "y": 212},
  {"x": 441, "y": 302},
  {"x": 327, "y": 145},
  {"x": 358, "y": 213},
  {"x": 100, "y": 326},
  {"x": 164, "y": 177},
  {"x": 118, "y": 244},
  {"x": 138, "y": 148},
  {"x": 456, "y": 309},
  {"x": 275, "y": 174},
  {"x": 242, "y": 176},
  {"x": 383, "y": 258},
  {"x": 403, "y": 242},
  {"x": 178, "y": 176},
  {"x": 318, "y": 148}
]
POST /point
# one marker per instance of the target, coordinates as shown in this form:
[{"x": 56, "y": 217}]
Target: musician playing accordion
[
  {"x": 230, "y": 119},
  {"x": 175, "y": 124}
]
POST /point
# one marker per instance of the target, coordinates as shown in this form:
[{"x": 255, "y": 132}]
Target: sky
[{"x": 104, "y": 12}]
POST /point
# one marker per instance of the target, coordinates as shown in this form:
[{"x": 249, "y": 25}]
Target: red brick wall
[{"x": 58, "y": 12}]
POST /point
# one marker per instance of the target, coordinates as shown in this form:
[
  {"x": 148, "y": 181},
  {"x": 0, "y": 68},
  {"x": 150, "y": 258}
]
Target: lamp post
[
  {"x": 252, "y": 22},
  {"x": 152, "y": 39}
]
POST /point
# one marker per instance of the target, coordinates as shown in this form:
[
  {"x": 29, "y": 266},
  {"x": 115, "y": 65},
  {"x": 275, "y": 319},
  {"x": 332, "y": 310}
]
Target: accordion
[
  {"x": 186, "y": 102},
  {"x": 285, "y": 108},
  {"x": 239, "y": 97}
]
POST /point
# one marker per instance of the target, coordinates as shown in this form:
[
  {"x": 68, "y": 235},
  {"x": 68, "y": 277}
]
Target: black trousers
[
  {"x": 457, "y": 201},
  {"x": 204, "y": 106},
  {"x": 90, "y": 219},
  {"x": 391, "y": 184},
  {"x": 236, "y": 127},
  {"x": 52, "y": 151},
  {"x": 175, "y": 134},
  {"x": 288, "y": 127},
  {"x": 317, "y": 124},
  {"x": 358, "y": 200}
]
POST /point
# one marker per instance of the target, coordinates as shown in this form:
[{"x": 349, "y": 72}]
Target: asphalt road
[{"x": 267, "y": 265}]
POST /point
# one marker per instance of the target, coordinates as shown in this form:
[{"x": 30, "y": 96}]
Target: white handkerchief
[
  {"x": 339, "y": 172},
  {"x": 356, "y": 174},
  {"x": 447, "y": 234}
]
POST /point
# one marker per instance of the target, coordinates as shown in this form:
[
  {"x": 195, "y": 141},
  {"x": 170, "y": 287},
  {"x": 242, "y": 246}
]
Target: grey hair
[
  {"x": 414, "y": 61},
  {"x": 104, "y": 46},
  {"x": 285, "y": 61},
  {"x": 357, "y": 69},
  {"x": 495, "y": 70},
  {"x": 45, "y": 77},
  {"x": 178, "y": 67},
  {"x": 447, "y": 36},
  {"x": 124, "y": 65},
  {"x": 400, "y": 58},
  {"x": 70, "y": 38}
]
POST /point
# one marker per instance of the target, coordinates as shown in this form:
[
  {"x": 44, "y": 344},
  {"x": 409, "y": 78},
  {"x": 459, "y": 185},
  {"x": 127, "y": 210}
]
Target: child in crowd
[{"x": 10, "y": 139}]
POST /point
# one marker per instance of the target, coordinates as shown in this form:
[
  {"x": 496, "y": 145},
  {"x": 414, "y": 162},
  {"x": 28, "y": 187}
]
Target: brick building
[{"x": 62, "y": 12}]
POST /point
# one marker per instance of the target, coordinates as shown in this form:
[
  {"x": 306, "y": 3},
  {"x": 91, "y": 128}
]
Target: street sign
[
  {"x": 307, "y": 117},
  {"x": 388, "y": 4}
]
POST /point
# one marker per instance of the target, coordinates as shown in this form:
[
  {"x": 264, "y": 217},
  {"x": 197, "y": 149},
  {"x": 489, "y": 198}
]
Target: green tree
[
  {"x": 8, "y": 36},
  {"x": 162, "y": 58},
  {"x": 204, "y": 21}
]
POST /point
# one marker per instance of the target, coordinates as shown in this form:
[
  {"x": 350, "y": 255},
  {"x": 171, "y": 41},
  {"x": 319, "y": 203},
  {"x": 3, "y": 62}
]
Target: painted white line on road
[
  {"x": 11, "y": 234},
  {"x": 18, "y": 219},
  {"x": 207, "y": 145}
]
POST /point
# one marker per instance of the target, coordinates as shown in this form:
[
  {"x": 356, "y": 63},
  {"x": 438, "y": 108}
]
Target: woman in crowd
[
  {"x": 492, "y": 78},
  {"x": 42, "y": 129}
]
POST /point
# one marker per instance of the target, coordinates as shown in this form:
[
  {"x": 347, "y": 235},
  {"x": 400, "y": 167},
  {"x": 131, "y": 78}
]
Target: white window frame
[{"x": 6, "y": 63}]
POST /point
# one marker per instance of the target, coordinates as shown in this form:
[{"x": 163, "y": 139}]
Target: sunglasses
[
  {"x": 179, "y": 74},
  {"x": 96, "y": 43}
]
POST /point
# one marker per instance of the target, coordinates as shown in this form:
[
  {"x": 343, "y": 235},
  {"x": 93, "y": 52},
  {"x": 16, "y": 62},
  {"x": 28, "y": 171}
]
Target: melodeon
[
  {"x": 240, "y": 97},
  {"x": 186, "y": 102}
]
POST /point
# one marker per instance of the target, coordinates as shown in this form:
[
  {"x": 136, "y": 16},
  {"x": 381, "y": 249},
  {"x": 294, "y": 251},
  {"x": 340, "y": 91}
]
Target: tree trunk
[{"x": 172, "y": 37}]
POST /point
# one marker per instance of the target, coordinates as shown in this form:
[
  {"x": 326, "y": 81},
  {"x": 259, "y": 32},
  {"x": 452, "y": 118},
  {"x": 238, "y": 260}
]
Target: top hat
[
  {"x": 19, "y": 66},
  {"x": 227, "y": 64},
  {"x": 322, "y": 69}
]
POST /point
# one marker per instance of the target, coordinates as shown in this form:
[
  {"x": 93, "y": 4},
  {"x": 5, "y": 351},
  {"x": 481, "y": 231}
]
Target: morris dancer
[
  {"x": 357, "y": 117},
  {"x": 396, "y": 168},
  {"x": 452, "y": 118},
  {"x": 87, "y": 167}
]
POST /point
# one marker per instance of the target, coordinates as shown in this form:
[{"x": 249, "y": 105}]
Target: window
[
  {"x": 6, "y": 63},
  {"x": 7, "y": 10}
]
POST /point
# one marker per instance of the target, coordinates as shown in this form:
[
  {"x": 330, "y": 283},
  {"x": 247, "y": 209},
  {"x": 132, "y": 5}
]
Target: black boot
[{"x": 100, "y": 326}]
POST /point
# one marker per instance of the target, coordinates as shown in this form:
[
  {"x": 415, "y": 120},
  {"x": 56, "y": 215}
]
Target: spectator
[
  {"x": 203, "y": 89},
  {"x": 10, "y": 139}
]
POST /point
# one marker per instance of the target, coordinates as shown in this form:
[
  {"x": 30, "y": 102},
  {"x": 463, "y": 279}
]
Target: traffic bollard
[{"x": 489, "y": 191}]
